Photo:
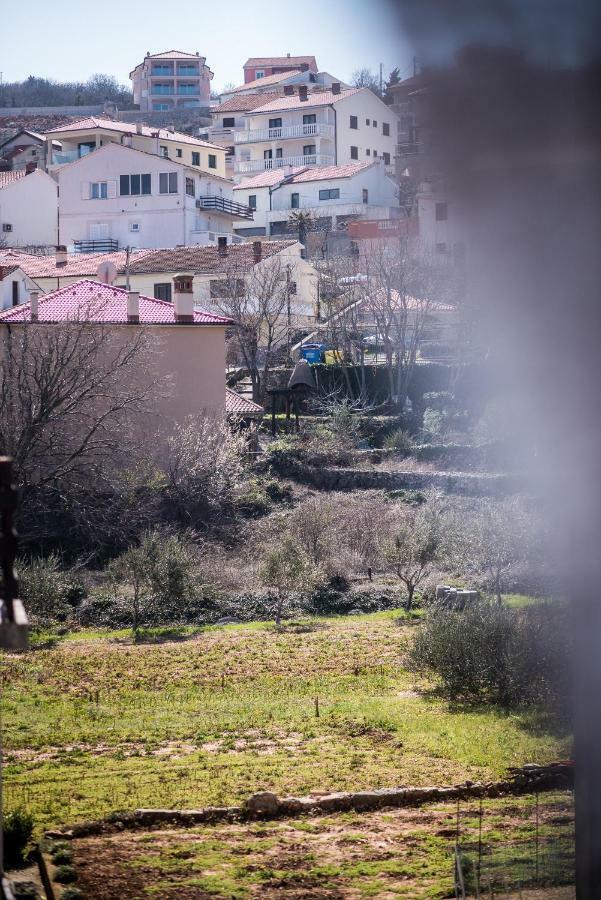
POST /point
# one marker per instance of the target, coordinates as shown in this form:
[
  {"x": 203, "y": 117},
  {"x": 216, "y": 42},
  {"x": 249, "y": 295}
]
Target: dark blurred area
[{"x": 511, "y": 135}]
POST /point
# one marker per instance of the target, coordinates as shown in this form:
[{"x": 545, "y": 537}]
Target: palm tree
[{"x": 301, "y": 222}]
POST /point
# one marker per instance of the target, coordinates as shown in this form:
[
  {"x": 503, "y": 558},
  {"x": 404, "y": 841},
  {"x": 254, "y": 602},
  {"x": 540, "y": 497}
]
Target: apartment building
[
  {"x": 317, "y": 128},
  {"x": 333, "y": 196},
  {"x": 171, "y": 80},
  {"x": 28, "y": 208},
  {"x": 443, "y": 225},
  {"x": 79, "y": 139},
  {"x": 278, "y": 82},
  {"x": 118, "y": 197},
  {"x": 264, "y": 66},
  {"x": 228, "y": 119}
]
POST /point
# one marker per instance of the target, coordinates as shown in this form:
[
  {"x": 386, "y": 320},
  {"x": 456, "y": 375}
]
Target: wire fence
[{"x": 522, "y": 844}]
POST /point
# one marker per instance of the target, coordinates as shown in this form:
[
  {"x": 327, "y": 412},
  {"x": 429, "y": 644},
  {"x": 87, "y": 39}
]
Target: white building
[
  {"x": 443, "y": 232},
  {"x": 171, "y": 80},
  {"x": 24, "y": 148},
  {"x": 28, "y": 208},
  {"x": 81, "y": 138},
  {"x": 316, "y": 128},
  {"x": 278, "y": 82},
  {"x": 118, "y": 197},
  {"x": 334, "y": 196}
]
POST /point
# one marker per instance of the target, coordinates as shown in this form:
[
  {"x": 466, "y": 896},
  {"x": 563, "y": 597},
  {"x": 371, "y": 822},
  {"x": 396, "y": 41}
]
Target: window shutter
[
  {"x": 111, "y": 189},
  {"x": 85, "y": 190}
]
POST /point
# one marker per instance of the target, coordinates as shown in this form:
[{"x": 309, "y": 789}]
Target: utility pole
[
  {"x": 288, "y": 316},
  {"x": 127, "y": 252},
  {"x": 381, "y": 81}
]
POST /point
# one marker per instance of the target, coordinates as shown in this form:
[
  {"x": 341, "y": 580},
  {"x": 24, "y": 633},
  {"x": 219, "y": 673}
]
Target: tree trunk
[
  {"x": 498, "y": 588},
  {"x": 278, "y": 610},
  {"x": 410, "y": 592}
]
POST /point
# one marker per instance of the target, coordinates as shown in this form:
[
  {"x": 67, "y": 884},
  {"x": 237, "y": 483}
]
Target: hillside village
[{"x": 281, "y": 620}]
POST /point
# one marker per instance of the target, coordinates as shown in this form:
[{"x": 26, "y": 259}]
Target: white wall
[
  {"x": 447, "y": 238},
  {"x": 365, "y": 105},
  {"x": 165, "y": 220},
  {"x": 29, "y": 204},
  {"x": 6, "y": 288}
]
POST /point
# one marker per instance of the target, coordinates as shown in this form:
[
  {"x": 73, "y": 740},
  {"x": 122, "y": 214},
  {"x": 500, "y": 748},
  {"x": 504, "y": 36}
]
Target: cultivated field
[{"x": 196, "y": 717}]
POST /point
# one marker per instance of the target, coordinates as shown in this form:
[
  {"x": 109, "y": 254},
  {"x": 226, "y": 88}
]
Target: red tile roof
[
  {"x": 102, "y": 303},
  {"x": 91, "y": 123},
  {"x": 315, "y": 98},
  {"x": 204, "y": 260},
  {"x": 7, "y": 178},
  {"x": 237, "y": 405},
  {"x": 302, "y": 174},
  {"x": 78, "y": 264},
  {"x": 245, "y": 102},
  {"x": 280, "y": 61},
  {"x": 267, "y": 80},
  {"x": 174, "y": 54}
]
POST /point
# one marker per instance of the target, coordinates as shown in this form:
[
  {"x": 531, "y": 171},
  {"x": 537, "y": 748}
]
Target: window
[
  {"x": 309, "y": 119},
  {"x": 160, "y": 106},
  {"x": 178, "y": 152},
  {"x": 442, "y": 212},
  {"x": 331, "y": 194},
  {"x": 162, "y": 69},
  {"x": 190, "y": 187},
  {"x": 441, "y": 248},
  {"x": 386, "y": 129},
  {"x": 15, "y": 293},
  {"x": 134, "y": 185},
  {"x": 275, "y": 123},
  {"x": 259, "y": 73},
  {"x": 375, "y": 123},
  {"x": 164, "y": 151},
  {"x": 368, "y": 121},
  {"x": 292, "y": 287},
  {"x": 168, "y": 183},
  {"x": 294, "y": 201},
  {"x": 212, "y": 161},
  {"x": 354, "y": 153},
  {"x": 162, "y": 291},
  {"x": 267, "y": 154},
  {"x": 252, "y": 201},
  {"x": 98, "y": 190},
  {"x": 386, "y": 158},
  {"x": 375, "y": 152},
  {"x": 368, "y": 152},
  {"x": 309, "y": 150},
  {"x": 279, "y": 153},
  {"x": 354, "y": 122},
  {"x": 195, "y": 158},
  {"x": 229, "y": 123},
  {"x": 365, "y": 195}
]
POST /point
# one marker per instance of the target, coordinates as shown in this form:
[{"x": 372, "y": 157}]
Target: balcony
[
  {"x": 59, "y": 158},
  {"x": 106, "y": 245},
  {"x": 161, "y": 90},
  {"x": 225, "y": 205},
  {"x": 287, "y": 131},
  {"x": 259, "y": 165},
  {"x": 203, "y": 237},
  {"x": 409, "y": 148}
]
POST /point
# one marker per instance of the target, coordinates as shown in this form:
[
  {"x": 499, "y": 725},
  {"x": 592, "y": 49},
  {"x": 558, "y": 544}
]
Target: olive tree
[
  {"x": 414, "y": 546},
  {"x": 288, "y": 571}
]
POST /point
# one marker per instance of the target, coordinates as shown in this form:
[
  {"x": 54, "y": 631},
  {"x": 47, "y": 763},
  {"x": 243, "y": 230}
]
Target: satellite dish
[{"x": 106, "y": 272}]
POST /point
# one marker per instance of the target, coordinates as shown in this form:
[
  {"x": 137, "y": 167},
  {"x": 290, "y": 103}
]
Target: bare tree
[
  {"x": 287, "y": 570},
  {"x": 68, "y": 395},
  {"x": 365, "y": 78},
  {"x": 415, "y": 546}
]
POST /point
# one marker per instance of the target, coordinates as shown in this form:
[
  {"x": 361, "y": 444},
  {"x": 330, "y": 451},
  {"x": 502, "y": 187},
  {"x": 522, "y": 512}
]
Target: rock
[
  {"x": 355, "y": 612},
  {"x": 228, "y": 620},
  {"x": 263, "y": 803}
]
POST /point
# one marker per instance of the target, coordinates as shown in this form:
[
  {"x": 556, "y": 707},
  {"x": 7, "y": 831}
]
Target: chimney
[
  {"x": 335, "y": 87},
  {"x": 288, "y": 56},
  {"x": 138, "y": 128},
  {"x": 257, "y": 251},
  {"x": 304, "y": 67},
  {"x": 30, "y": 167},
  {"x": 288, "y": 90},
  {"x": 33, "y": 305},
  {"x": 133, "y": 307},
  {"x": 302, "y": 92},
  {"x": 61, "y": 255},
  {"x": 222, "y": 246},
  {"x": 183, "y": 298}
]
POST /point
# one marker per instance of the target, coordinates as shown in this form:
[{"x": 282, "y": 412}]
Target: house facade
[
  {"x": 443, "y": 224},
  {"x": 28, "y": 208},
  {"x": 119, "y": 197},
  {"x": 189, "y": 355},
  {"x": 79, "y": 139},
  {"x": 333, "y": 196},
  {"x": 264, "y": 66},
  {"x": 171, "y": 80},
  {"x": 316, "y": 128},
  {"x": 24, "y": 149}
]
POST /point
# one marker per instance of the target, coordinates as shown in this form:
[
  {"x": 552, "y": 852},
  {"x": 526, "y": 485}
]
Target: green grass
[{"x": 96, "y": 723}]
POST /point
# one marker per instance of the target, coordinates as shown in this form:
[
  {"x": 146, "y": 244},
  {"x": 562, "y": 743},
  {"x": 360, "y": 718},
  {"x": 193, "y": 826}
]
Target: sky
[{"x": 75, "y": 40}]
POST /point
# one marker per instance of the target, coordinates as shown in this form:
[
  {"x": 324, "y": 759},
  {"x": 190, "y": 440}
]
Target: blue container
[{"x": 312, "y": 353}]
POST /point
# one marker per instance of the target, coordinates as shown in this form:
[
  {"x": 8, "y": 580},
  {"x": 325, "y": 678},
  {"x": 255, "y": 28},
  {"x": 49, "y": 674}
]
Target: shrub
[
  {"x": 61, "y": 855},
  {"x": 65, "y": 874},
  {"x": 489, "y": 651},
  {"x": 71, "y": 893},
  {"x": 398, "y": 440},
  {"x": 48, "y": 592},
  {"x": 18, "y": 829}
]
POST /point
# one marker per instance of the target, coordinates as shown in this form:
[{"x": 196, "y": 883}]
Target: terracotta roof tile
[
  {"x": 268, "y": 178},
  {"x": 104, "y": 304},
  {"x": 78, "y": 264},
  {"x": 302, "y": 174},
  {"x": 280, "y": 61},
  {"x": 203, "y": 260},
  {"x": 93, "y": 122},
  {"x": 174, "y": 54},
  {"x": 315, "y": 98},
  {"x": 237, "y": 405},
  {"x": 7, "y": 178},
  {"x": 245, "y": 102},
  {"x": 267, "y": 80}
]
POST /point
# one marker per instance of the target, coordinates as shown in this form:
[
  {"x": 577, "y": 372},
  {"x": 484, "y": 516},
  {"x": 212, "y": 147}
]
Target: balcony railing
[
  {"x": 204, "y": 237},
  {"x": 409, "y": 148},
  {"x": 287, "y": 131},
  {"x": 259, "y": 165},
  {"x": 159, "y": 91},
  {"x": 67, "y": 156},
  {"x": 106, "y": 245},
  {"x": 225, "y": 205}
]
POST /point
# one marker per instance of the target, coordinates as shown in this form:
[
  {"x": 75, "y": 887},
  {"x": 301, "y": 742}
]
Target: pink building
[
  {"x": 171, "y": 80},
  {"x": 263, "y": 66}
]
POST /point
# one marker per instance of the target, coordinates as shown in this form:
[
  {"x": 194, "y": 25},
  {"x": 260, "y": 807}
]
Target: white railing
[
  {"x": 287, "y": 131},
  {"x": 203, "y": 237},
  {"x": 259, "y": 165},
  {"x": 68, "y": 156}
]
